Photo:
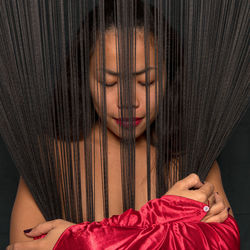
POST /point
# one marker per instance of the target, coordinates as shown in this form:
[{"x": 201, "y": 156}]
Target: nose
[{"x": 125, "y": 103}]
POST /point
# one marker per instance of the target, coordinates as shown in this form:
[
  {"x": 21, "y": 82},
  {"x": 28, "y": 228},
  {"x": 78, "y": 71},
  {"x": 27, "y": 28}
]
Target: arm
[
  {"x": 25, "y": 214},
  {"x": 160, "y": 224},
  {"x": 168, "y": 222},
  {"x": 214, "y": 177}
]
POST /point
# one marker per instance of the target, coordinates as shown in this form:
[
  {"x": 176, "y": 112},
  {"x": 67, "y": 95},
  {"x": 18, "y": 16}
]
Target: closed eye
[
  {"x": 147, "y": 83},
  {"x": 108, "y": 84}
]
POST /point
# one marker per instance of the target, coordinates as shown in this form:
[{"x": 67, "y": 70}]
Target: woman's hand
[
  {"x": 218, "y": 211},
  {"x": 202, "y": 192},
  {"x": 53, "y": 229}
]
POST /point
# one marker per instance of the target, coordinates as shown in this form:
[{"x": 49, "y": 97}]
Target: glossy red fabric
[{"x": 171, "y": 222}]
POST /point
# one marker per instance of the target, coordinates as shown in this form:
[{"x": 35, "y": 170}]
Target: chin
[{"x": 138, "y": 133}]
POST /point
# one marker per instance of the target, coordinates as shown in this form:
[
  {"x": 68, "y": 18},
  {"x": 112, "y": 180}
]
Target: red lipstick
[{"x": 125, "y": 122}]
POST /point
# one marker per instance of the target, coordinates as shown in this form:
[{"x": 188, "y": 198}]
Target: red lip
[{"x": 126, "y": 123}]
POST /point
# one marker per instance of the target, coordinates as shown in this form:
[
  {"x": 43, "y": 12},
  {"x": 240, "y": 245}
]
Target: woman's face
[{"x": 112, "y": 85}]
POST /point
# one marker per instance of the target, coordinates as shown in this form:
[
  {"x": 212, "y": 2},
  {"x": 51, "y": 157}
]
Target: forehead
[{"x": 113, "y": 49}]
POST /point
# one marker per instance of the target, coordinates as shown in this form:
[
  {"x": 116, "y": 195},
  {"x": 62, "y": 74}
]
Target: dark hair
[{"x": 170, "y": 44}]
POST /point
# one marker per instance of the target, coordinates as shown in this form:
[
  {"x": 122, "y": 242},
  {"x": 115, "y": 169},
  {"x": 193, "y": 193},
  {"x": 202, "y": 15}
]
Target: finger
[
  {"x": 219, "y": 198},
  {"x": 219, "y": 205},
  {"x": 219, "y": 218},
  {"x": 191, "y": 181},
  {"x": 42, "y": 228},
  {"x": 215, "y": 209},
  {"x": 205, "y": 191},
  {"x": 212, "y": 200}
]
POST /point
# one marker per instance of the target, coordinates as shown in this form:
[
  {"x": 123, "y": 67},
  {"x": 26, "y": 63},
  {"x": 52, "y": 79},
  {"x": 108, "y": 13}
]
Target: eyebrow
[{"x": 113, "y": 73}]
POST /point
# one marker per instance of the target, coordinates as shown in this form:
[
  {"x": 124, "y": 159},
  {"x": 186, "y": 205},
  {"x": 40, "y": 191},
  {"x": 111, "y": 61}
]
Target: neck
[{"x": 113, "y": 139}]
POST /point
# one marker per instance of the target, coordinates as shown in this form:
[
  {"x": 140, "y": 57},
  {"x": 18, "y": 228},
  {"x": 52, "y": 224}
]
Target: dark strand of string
[
  {"x": 46, "y": 87},
  {"x": 131, "y": 37},
  {"x": 84, "y": 62},
  {"x": 147, "y": 42},
  {"x": 30, "y": 38},
  {"x": 122, "y": 101},
  {"x": 84, "y": 67},
  {"x": 181, "y": 79},
  {"x": 159, "y": 121},
  {"x": 33, "y": 37},
  {"x": 104, "y": 127}
]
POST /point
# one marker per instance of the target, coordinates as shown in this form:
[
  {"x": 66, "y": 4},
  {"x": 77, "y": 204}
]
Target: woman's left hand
[
  {"x": 53, "y": 229},
  {"x": 218, "y": 211}
]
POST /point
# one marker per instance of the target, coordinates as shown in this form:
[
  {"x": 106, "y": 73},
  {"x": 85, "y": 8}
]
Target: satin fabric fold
[{"x": 170, "y": 222}]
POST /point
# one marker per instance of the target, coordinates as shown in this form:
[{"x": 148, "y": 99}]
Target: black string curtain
[{"x": 56, "y": 120}]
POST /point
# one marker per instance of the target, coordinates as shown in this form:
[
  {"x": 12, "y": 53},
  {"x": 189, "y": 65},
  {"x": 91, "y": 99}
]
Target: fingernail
[
  {"x": 27, "y": 230},
  {"x": 228, "y": 209}
]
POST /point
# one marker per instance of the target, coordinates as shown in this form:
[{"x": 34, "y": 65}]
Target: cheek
[
  {"x": 96, "y": 95},
  {"x": 152, "y": 102},
  {"x": 111, "y": 99}
]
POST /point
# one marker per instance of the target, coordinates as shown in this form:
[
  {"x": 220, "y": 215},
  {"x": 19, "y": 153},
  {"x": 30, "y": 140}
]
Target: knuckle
[
  {"x": 195, "y": 177},
  {"x": 202, "y": 196},
  {"x": 210, "y": 186}
]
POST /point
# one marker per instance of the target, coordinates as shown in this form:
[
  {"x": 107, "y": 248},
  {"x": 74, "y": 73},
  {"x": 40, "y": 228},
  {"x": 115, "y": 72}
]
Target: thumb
[
  {"x": 192, "y": 181},
  {"x": 40, "y": 229}
]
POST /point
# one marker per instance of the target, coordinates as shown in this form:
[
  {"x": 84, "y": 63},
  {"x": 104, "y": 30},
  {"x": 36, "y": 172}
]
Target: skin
[
  {"x": 25, "y": 205},
  {"x": 113, "y": 83},
  {"x": 217, "y": 212}
]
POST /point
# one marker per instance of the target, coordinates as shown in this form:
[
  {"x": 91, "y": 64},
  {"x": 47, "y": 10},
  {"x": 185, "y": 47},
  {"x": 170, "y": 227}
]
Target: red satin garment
[{"x": 171, "y": 222}]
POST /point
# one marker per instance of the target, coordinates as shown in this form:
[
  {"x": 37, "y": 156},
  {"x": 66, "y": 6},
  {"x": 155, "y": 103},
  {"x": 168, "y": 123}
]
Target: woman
[{"x": 25, "y": 212}]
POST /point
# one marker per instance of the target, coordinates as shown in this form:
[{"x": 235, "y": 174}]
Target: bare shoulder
[
  {"x": 25, "y": 214},
  {"x": 214, "y": 177}
]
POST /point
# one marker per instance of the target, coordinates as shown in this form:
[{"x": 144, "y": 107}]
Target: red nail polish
[{"x": 27, "y": 230}]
